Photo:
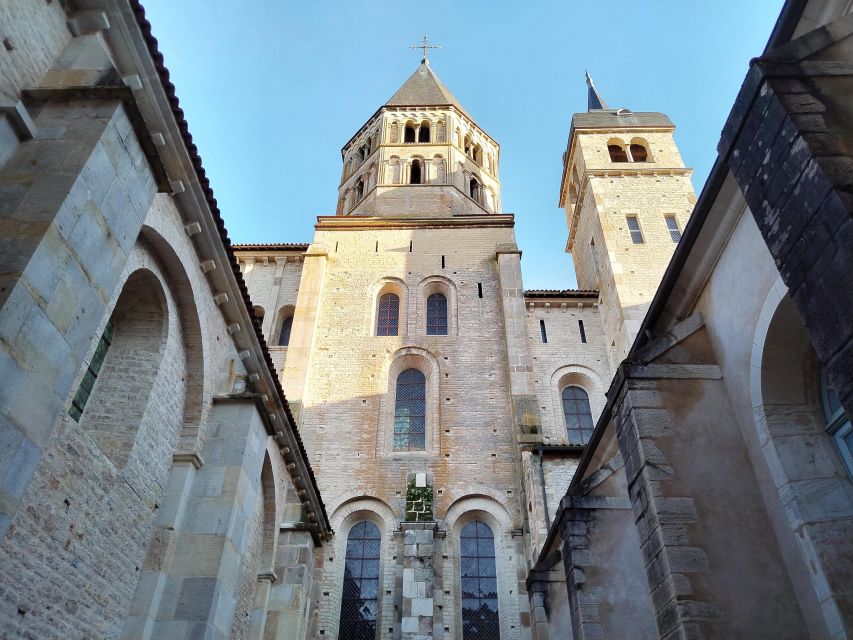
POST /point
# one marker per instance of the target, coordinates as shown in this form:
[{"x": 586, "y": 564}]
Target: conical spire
[
  {"x": 423, "y": 89},
  {"x": 594, "y": 100}
]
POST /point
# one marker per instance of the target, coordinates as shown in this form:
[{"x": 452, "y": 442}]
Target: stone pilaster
[{"x": 418, "y": 580}]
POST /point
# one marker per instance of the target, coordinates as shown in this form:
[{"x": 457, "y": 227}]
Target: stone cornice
[{"x": 355, "y": 223}]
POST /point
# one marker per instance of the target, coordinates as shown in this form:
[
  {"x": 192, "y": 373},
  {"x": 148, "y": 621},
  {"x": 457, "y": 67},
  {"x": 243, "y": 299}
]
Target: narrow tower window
[
  {"x": 617, "y": 153},
  {"x": 92, "y": 371},
  {"x": 577, "y": 413},
  {"x": 639, "y": 153},
  {"x": 359, "y": 191},
  {"x": 361, "y": 582},
  {"x": 436, "y": 315},
  {"x": 479, "y": 289},
  {"x": 409, "y": 134},
  {"x": 423, "y": 133},
  {"x": 479, "y": 587},
  {"x": 672, "y": 226},
  {"x": 417, "y": 172},
  {"x": 474, "y": 189},
  {"x": 634, "y": 228},
  {"x": 542, "y": 333},
  {"x": 388, "y": 316},
  {"x": 284, "y": 334},
  {"x": 410, "y": 411},
  {"x": 582, "y": 331}
]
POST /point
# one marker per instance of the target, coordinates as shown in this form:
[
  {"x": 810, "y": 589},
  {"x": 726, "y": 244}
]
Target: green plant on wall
[{"x": 418, "y": 503}]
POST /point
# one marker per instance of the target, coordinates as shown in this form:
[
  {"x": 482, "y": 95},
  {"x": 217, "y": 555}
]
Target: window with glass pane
[
  {"x": 436, "y": 315},
  {"x": 387, "y": 323},
  {"x": 577, "y": 414},
  {"x": 92, "y": 371},
  {"x": 410, "y": 411},
  {"x": 837, "y": 422},
  {"x": 361, "y": 583},
  {"x": 634, "y": 228},
  {"x": 284, "y": 335},
  {"x": 479, "y": 583},
  {"x": 672, "y": 225}
]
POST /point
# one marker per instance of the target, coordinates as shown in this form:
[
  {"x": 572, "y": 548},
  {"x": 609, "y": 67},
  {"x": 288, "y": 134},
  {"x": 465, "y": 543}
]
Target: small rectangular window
[
  {"x": 479, "y": 289},
  {"x": 542, "y": 331},
  {"x": 442, "y": 262},
  {"x": 672, "y": 225},
  {"x": 634, "y": 228},
  {"x": 582, "y": 330}
]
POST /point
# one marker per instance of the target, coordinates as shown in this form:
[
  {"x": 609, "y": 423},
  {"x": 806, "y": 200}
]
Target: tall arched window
[
  {"x": 577, "y": 413},
  {"x": 409, "y": 135},
  {"x": 410, "y": 411},
  {"x": 436, "y": 315},
  {"x": 639, "y": 153},
  {"x": 479, "y": 583},
  {"x": 284, "y": 334},
  {"x": 359, "y": 190},
  {"x": 837, "y": 423},
  {"x": 388, "y": 316},
  {"x": 423, "y": 133},
  {"x": 474, "y": 189},
  {"x": 477, "y": 154},
  {"x": 617, "y": 153},
  {"x": 361, "y": 583},
  {"x": 416, "y": 176}
]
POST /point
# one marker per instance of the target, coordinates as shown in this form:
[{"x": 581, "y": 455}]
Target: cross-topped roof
[
  {"x": 424, "y": 89},
  {"x": 426, "y": 46}
]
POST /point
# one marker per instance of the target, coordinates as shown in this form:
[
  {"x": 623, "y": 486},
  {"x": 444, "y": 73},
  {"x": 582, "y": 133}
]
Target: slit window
[
  {"x": 672, "y": 226},
  {"x": 634, "y": 228},
  {"x": 543, "y": 334},
  {"x": 84, "y": 391},
  {"x": 582, "y": 331},
  {"x": 359, "y": 601},
  {"x": 479, "y": 289},
  {"x": 410, "y": 411},
  {"x": 388, "y": 316}
]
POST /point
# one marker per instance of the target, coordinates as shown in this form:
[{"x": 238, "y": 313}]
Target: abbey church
[{"x": 382, "y": 434}]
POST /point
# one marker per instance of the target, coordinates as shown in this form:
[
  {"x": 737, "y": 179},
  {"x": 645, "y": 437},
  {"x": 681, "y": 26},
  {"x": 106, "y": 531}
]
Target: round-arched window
[
  {"x": 577, "y": 414},
  {"x": 480, "y": 619},
  {"x": 837, "y": 422},
  {"x": 359, "y": 602}
]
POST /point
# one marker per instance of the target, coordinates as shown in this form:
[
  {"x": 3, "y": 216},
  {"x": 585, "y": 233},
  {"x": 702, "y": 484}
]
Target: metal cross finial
[{"x": 426, "y": 46}]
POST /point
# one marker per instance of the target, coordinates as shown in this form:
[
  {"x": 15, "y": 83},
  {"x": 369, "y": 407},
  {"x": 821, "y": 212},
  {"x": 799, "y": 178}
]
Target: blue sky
[{"x": 273, "y": 89}]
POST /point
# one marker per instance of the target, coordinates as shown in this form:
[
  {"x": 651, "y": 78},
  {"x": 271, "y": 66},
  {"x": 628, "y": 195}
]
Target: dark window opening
[
  {"x": 442, "y": 262},
  {"x": 639, "y": 153},
  {"x": 388, "y": 317},
  {"x": 474, "y": 189},
  {"x": 92, "y": 371},
  {"x": 582, "y": 330},
  {"x": 423, "y": 133},
  {"x": 359, "y": 601},
  {"x": 409, "y": 134},
  {"x": 479, "y": 289},
  {"x": 617, "y": 153},
  {"x": 542, "y": 332},
  {"x": 577, "y": 414},
  {"x": 436, "y": 315},
  {"x": 479, "y": 588},
  {"x": 359, "y": 190},
  {"x": 284, "y": 334},
  {"x": 410, "y": 246},
  {"x": 416, "y": 173},
  {"x": 410, "y": 411}
]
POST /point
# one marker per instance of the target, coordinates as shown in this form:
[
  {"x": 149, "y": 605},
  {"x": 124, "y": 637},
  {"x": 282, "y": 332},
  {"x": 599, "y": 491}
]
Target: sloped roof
[{"x": 423, "y": 89}]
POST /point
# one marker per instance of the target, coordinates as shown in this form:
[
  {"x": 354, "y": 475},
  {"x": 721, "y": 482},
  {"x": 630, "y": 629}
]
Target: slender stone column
[{"x": 418, "y": 579}]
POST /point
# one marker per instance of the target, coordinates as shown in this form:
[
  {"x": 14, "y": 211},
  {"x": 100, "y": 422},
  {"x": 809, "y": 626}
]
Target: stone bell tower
[
  {"x": 420, "y": 154},
  {"x": 627, "y": 196}
]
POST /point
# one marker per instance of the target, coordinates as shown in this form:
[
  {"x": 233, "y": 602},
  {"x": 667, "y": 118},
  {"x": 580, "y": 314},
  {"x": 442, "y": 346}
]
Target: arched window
[
  {"x": 410, "y": 411},
  {"x": 423, "y": 134},
  {"x": 479, "y": 583},
  {"x": 394, "y": 133},
  {"x": 436, "y": 315},
  {"x": 617, "y": 153},
  {"x": 409, "y": 135},
  {"x": 284, "y": 334},
  {"x": 388, "y": 316},
  {"x": 638, "y": 153},
  {"x": 416, "y": 176},
  {"x": 359, "y": 602},
  {"x": 474, "y": 189},
  {"x": 359, "y": 190},
  {"x": 837, "y": 423},
  {"x": 468, "y": 146},
  {"x": 477, "y": 154},
  {"x": 577, "y": 413}
]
